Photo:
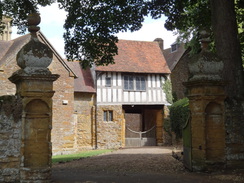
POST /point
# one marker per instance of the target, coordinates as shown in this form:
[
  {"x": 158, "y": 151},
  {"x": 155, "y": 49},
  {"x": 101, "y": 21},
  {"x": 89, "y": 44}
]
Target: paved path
[{"x": 135, "y": 165}]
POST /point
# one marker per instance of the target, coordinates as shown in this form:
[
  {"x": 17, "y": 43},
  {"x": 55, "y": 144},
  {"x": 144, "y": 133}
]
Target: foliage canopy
[{"x": 91, "y": 24}]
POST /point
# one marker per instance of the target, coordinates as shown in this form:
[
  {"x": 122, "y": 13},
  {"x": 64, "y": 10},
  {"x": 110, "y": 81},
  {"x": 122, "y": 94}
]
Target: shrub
[
  {"x": 167, "y": 87},
  {"x": 179, "y": 112}
]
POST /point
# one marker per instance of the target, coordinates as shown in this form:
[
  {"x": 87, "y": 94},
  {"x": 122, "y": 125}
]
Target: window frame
[
  {"x": 108, "y": 82},
  {"x": 174, "y": 47},
  {"x": 134, "y": 83},
  {"x": 108, "y": 116}
]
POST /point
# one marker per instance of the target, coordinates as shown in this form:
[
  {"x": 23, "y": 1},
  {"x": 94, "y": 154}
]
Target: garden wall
[{"x": 10, "y": 135}]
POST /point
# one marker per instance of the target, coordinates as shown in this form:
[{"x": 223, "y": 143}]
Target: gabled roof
[
  {"x": 172, "y": 58},
  {"x": 9, "y": 49},
  {"x": 138, "y": 57},
  {"x": 83, "y": 81}
]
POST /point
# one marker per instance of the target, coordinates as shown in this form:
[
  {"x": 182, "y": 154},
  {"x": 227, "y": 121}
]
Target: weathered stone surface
[
  {"x": 206, "y": 101},
  {"x": 181, "y": 71},
  {"x": 85, "y": 121},
  {"x": 10, "y": 135},
  {"x": 110, "y": 134},
  {"x": 64, "y": 90}
]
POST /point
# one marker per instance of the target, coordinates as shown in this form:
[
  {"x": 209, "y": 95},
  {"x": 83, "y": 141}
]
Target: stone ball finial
[
  {"x": 205, "y": 66},
  {"x": 33, "y": 20},
  {"x": 205, "y": 40},
  {"x": 34, "y": 57}
]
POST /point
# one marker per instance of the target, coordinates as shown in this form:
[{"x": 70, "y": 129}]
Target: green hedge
[{"x": 179, "y": 112}]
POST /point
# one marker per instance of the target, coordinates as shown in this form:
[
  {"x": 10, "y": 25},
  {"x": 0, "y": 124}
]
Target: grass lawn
[{"x": 83, "y": 154}]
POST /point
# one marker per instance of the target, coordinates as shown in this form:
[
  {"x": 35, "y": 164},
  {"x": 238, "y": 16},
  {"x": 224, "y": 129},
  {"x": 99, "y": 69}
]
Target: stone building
[
  {"x": 130, "y": 100},
  {"x": 63, "y": 122},
  {"x": 103, "y": 107},
  {"x": 116, "y": 105},
  {"x": 84, "y": 107},
  {"x": 177, "y": 59}
]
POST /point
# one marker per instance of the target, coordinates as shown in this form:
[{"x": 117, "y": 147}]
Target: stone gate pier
[
  {"x": 204, "y": 138},
  {"x": 34, "y": 84}
]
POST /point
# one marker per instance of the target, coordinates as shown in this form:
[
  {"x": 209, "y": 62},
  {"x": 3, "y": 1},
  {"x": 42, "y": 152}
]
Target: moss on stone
[{"x": 11, "y": 105}]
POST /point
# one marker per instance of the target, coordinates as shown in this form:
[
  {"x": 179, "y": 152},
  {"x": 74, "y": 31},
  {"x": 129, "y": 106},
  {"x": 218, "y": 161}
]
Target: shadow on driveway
[{"x": 134, "y": 165}]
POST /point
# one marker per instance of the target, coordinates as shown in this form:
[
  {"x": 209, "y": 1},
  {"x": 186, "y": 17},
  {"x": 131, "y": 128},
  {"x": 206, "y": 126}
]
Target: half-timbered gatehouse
[{"x": 129, "y": 96}]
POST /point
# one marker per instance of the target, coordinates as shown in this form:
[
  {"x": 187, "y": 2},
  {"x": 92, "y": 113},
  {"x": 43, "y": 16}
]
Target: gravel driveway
[{"x": 139, "y": 165}]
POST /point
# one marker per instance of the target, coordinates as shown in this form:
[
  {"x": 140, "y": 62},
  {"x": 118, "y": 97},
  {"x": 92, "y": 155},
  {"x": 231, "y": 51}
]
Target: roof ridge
[{"x": 138, "y": 41}]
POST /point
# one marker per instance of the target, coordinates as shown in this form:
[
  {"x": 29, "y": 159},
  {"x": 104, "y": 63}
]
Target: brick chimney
[
  {"x": 160, "y": 42},
  {"x": 6, "y": 36}
]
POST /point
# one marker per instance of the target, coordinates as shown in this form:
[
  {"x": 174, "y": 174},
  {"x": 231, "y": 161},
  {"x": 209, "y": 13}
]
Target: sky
[{"x": 52, "y": 20}]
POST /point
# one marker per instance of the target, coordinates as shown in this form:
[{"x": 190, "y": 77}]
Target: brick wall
[{"x": 10, "y": 135}]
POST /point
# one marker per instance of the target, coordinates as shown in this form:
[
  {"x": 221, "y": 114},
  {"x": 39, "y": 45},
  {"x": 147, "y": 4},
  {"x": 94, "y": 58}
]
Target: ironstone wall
[
  {"x": 10, "y": 135},
  {"x": 110, "y": 134}
]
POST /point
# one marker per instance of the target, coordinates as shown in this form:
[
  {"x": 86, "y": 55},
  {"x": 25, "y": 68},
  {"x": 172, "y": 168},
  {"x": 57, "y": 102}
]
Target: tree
[
  {"x": 19, "y": 10},
  {"x": 91, "y": 25},
  {"x": 228, "y": 46}
]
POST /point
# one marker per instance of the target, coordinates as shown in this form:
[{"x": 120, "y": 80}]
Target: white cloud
[
  {"x": 58, "y": 45},
  {"x": 52, "y": 20},
  {"x": 14, "y": 33},
  {"x": 151, "y": 30},
  {"x": 52, "y": 15}
]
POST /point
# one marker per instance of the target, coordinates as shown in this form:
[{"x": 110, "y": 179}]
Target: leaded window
[
  {"x": 134, "y": 83},
  {"x": 108, "y": 82}
]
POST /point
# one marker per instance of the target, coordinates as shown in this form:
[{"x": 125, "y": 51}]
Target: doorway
[{"x": 140, "y": 126}]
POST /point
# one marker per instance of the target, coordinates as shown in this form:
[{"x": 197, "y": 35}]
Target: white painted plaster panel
[
  {"x": 115, "y": 97},
  {"x": 126, "y": 97},
  {"x": 158, "y": 81},
  {"x": 109, "y": 97},
  {"x": 120, "y": 91},
  {"x": 137, "y": 96},
  {"x": 104, "y": 95},
  {"x": 159, "y": 95},
  {"x": 103, "y": 79},
  {"x": 149, "y": 95},
  {"x": 132, "y": 97},
  {"x": 119, "y": 79},
  {"x": 144, "y": 96},
  {"x": 99, "y": 81},
  {"x": 114, "y": 79},
  {"x": 154, "y": 95},
  {"x": 99, "y": 93},
  {"x": 149, "y": 81}
]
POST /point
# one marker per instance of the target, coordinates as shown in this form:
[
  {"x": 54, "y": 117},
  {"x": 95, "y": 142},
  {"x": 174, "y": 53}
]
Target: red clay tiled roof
[
  {"x": 137, "y": 57},
  {"x": 84, "y": 81}
]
